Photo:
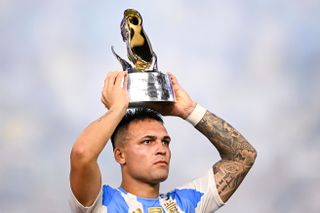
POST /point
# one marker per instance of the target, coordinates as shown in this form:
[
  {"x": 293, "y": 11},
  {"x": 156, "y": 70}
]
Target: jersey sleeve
[
  {"x": 210, "y": 200},
  {"x": 77, "y": 207}
]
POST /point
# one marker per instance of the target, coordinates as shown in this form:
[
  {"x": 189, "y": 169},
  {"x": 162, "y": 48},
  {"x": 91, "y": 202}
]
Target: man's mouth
[{"x": 161, "y": 162}]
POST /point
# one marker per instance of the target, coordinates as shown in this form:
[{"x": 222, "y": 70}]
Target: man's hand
[
  {"x": 114, "y": 92},
  {"x": 183, "y": 105}
]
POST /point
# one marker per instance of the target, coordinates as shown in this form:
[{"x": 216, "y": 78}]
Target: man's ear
[{"x": 119, "y": 155}]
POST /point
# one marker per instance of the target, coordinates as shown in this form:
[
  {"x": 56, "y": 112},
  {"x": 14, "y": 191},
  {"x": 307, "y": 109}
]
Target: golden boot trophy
[{"x": 145, "y": 85}]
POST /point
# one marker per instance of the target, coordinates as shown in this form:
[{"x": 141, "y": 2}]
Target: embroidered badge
[
  {"x": 154, "y": 210},
  {"x": 171, "y": 206}
]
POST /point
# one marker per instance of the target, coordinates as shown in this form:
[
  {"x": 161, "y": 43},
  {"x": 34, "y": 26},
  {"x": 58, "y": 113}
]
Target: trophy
[{"x": 145, "y": 85}]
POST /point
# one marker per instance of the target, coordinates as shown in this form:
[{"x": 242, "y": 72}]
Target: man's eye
[
  {"x": 166, "y": 142},
  {"x": 146, "y": 141}
]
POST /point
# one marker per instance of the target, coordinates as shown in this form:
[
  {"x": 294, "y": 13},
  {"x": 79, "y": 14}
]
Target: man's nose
[{"x": 162, "y": 149}]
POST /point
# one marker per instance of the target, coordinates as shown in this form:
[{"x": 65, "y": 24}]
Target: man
[{"x": 141, "y": 147}]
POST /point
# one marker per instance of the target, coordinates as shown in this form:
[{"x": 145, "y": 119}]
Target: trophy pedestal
[{"x": 149, "y": 87}]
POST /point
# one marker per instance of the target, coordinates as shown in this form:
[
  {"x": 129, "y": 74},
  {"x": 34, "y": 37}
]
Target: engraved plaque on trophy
[{"x": 145, "y": 84}]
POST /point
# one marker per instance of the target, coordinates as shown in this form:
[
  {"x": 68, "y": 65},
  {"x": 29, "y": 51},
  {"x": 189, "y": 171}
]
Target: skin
[
  {"x": 237, "y": 155},
  {"x": 85, "y": 175},
  {"x": 145, "y": 155}
]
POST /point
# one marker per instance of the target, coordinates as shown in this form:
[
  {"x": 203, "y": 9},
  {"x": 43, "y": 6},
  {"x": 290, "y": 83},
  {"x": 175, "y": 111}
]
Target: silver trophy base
[{"x": 149, "y": 86}]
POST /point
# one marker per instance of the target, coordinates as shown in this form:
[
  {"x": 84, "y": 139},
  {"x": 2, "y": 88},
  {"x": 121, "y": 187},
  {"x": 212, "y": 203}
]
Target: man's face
[{"x": 146, "y": 151}]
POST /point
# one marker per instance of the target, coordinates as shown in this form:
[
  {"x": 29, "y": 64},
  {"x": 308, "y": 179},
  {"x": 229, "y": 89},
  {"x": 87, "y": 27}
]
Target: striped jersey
[{"x": 198, "y": 196}]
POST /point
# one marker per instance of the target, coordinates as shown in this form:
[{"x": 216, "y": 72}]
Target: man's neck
[{"x": 141, "y": 189}]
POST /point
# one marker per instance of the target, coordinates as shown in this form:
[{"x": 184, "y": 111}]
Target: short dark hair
[{"x": 135, "y": 114}]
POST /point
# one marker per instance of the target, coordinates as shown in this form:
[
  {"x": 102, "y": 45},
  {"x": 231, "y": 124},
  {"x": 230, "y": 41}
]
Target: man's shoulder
[
  {"x": 108, "y": 193},
  {"x": 184, "y": 197}
]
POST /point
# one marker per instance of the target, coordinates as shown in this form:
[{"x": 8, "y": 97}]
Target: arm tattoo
[{"x": 237, "y": 154}]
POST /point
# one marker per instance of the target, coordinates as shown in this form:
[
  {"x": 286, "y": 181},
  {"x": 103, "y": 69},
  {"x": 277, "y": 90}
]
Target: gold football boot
[{"x": 139, "y": 48}]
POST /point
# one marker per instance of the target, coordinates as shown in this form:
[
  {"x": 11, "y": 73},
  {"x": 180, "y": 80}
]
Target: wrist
[
  {"x": 196, "y": 115},
  {"x": 188, "y": 110},
  {"x": 118, "y": 109}
]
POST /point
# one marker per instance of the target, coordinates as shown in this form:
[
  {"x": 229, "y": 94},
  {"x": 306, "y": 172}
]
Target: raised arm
[
  {"x": 237, "y": 155},
  {"x": 85, "y": 176}
]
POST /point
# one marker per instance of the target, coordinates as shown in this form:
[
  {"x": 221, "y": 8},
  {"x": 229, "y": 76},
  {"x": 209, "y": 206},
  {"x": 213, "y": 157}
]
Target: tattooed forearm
[
  {"x": 237, "y": 154},
  {"x": 228, "y": 141},
  {"x": 228, "y": 175}
]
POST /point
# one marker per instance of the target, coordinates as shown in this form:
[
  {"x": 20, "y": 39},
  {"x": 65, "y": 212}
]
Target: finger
[
  {"x": 103, "y": 100},
  {"x": 111, "y": 80},
  {"x": 173, "y": 79},
  {"x": 103, "y": 95},
  {"x": 119, "y": 81},
  {"x": 175, "y": 84},
  {"x": 125, "y": 83},
  {"x": 104, "y": 88},
  {"x": 108, "y": 76},
  {"x": 108, "y": 83},
  {"x": 108, "y": 79},
  {"x": 105, "y": 82}
]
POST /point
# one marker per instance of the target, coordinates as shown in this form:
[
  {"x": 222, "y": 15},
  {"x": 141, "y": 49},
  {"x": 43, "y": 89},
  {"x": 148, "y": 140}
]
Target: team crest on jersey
[
  {"x": 169, "y": 204},
  {"x": 154, "y": 210}
]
